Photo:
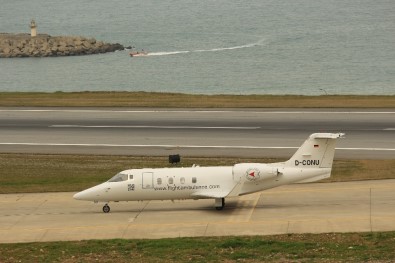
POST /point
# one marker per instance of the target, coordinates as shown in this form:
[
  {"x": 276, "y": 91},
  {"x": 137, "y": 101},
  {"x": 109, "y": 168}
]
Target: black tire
[{"x": 106, "y": 209}]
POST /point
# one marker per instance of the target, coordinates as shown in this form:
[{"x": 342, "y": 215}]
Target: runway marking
[
  {"x": 143, "y": 145},
  {"x": 197, "y": 111},
  {"x": 361, "y": 188},
  {"x": 245, "y": 202},
  {"x": 257, "y": 196},
  {"x": 179, "y": 146},
  {"x": 174, "y": 127},
  {"x": 366, "y": 149},
  {"x": 153, "y": 127}
]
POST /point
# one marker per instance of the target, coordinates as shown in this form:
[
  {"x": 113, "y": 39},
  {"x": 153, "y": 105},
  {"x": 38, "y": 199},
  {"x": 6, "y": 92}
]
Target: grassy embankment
[
  {"x": 177, "y": 100},
  {"x": 352, "y": 247},
  {"x": 52, "y": 173}
]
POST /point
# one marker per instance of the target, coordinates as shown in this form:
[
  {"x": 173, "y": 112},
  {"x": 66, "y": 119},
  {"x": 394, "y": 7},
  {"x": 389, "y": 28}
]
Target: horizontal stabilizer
[{"x": 327, "y": 135}]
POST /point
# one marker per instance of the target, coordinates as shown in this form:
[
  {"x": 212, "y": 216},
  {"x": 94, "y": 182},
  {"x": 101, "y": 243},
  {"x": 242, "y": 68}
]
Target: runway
[
  {"x": 196, "y": 132},
  {"x": 305, "y": 208}
]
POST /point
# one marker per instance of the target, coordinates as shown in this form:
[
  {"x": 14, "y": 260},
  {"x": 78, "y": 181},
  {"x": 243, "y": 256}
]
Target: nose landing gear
[
  {"x": 106, "y": 208},
  {"x": 219, "y": 203}
]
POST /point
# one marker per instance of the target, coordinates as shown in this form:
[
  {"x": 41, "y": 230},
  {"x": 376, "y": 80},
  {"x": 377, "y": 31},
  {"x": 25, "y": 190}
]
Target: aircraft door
[{"x": 148, "y": 179}]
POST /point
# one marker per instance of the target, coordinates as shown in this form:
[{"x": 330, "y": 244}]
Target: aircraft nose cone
[
  {"x": 90, "y": 194},
  {"x": 78, "y": 196},
  {"x": 87, "y": 195}
]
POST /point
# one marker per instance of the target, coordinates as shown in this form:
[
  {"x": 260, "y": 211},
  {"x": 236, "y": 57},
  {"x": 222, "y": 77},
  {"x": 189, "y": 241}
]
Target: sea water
[{"x": 306, "y": 47}]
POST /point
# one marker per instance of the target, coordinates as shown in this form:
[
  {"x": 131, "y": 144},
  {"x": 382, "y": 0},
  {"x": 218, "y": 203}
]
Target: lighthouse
[{"x": 33, "y": 28}]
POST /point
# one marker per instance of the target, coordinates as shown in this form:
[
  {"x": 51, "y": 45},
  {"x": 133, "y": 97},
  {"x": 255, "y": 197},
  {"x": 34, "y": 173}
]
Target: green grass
[
  {"x": 332, "y": 247},
  {"x": 178, "y": 100},
  {"x": 21, "y": 173},
  {"x": 41, "y": 173},
  {"x": 352, "y": 170}
]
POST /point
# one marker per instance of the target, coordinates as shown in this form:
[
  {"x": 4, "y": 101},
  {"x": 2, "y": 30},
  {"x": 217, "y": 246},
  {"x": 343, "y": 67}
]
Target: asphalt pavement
[
  {"x": 300, "y": 208},
  {"x": 370, "y": 134}
]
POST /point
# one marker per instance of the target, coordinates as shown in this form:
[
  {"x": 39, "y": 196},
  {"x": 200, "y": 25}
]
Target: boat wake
[
  {"x": 258, "y": 43},
  {"x": 167, "y": 53}
]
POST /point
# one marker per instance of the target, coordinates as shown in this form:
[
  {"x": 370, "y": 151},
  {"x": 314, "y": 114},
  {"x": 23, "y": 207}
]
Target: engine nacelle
[{"x": 252, "y": 172}]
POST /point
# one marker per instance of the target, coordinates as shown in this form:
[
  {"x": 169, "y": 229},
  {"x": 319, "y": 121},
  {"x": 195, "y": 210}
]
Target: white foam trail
[
  {"x": 258, "y": 43},
  {"x": 167, "y": 53}
]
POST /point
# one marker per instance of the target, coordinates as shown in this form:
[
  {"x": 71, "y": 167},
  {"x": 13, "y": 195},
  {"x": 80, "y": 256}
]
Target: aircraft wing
[
  {"x": 204, "y": 195},
  {"x": 220, "y": 194}
]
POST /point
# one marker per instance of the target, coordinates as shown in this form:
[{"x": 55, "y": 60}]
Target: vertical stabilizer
[{"x": 316, "y": 152}]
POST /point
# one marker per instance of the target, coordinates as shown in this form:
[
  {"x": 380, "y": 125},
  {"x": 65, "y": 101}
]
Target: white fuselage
[
  {"x": 311, "y": 162},
  {"x": 197, "y": 182}
]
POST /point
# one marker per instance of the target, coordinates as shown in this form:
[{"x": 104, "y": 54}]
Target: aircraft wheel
[
  {"x": 106, "y": 208},
  {"x": 219, "y": 208}
]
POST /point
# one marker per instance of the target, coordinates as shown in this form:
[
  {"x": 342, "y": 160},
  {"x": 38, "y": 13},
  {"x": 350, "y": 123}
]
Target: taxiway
[{"x": 361, "y": 206}]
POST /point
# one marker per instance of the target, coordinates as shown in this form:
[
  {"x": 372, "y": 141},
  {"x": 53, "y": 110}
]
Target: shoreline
[
  {"x": 181, "y": 100},
  {"x": 44, "y": 45}
]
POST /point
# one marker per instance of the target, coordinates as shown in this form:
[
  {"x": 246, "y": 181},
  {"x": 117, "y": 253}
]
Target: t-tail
[{"x": 316, "y": 152}]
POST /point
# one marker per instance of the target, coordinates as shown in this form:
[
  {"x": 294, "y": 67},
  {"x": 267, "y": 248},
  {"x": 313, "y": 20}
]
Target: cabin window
[
  {"x": 194, "y": 180},
  {"x": 119, "y": 178},
  {"x": 159, "y": 180},
  {"x": 171, "y": 181},
  {"x": 182, "y": 180},
  {"x": 131, "y": 177}
]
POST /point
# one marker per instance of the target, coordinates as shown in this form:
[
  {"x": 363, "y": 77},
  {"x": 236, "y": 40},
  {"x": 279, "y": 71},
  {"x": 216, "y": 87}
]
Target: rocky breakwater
[{"x": 42, "y": 45}]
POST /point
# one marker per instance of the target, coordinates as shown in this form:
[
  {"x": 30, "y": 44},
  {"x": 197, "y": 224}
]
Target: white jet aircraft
[{"x": 311, "y": 162}]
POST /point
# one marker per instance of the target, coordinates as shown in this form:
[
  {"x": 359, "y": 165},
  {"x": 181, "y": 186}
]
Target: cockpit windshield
[{"x": 119, "y": 178}]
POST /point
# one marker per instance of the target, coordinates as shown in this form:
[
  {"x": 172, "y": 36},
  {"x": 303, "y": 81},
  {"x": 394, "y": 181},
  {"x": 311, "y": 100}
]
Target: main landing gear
[
  {"x": 219, "y": 203},
  {"x": 106, "y": 208}
]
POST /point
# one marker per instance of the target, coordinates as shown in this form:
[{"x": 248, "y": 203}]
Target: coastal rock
[{"x": 43, "y": 45}]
